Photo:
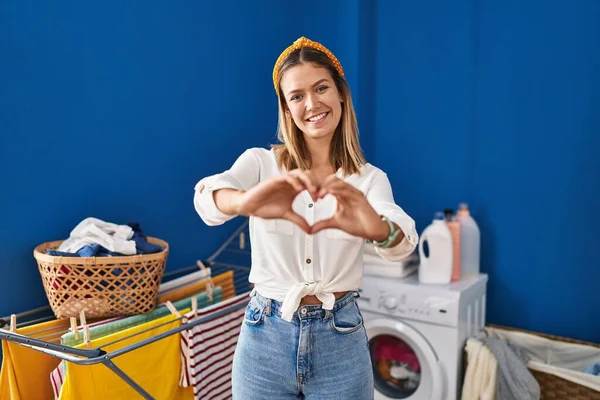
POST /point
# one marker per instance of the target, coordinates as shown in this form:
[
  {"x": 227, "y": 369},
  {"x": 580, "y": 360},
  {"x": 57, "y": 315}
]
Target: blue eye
[
  {"x": 321, "y": 89},
  {"x": 296, "y": 97}
]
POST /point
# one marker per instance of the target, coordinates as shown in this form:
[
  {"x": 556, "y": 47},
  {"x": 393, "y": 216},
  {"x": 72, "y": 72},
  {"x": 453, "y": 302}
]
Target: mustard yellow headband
[{"x": 298, "y": 44}]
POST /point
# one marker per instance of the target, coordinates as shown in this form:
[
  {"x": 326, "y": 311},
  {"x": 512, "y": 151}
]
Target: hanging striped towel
[
  {"x": 207, "y": 350},
  {"x": 57, "y": 378}
]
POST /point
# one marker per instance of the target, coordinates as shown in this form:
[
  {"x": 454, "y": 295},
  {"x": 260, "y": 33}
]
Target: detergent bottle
[
  {"x": 470, "y": 242},
  {"x": 436, "y": 267},
  {"x": 454, "y": 227}
]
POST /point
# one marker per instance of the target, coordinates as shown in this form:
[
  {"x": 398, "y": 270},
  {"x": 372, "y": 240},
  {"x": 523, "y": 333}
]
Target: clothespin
[
  {"x": 13, "y": 323},
  {"x": 203, "y": 268},
  {"x": 172, "y": 309},
  {"x": 74, "y": 328},
  {"x": 209, "y": 285},
  {"x": 176, "y": 313},
  {"x": 242, "y": 240},
  {"x": 86, "y": 330},
  {"x": 195, "y": 305},
  {"x": 209, "y": 290},
  {"x": 185, "y": 333}
]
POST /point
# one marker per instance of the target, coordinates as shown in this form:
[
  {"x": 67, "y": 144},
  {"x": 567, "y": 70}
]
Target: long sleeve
[
  {"x": 381, "y": 198},
  {"x": 243, "y": 175}
]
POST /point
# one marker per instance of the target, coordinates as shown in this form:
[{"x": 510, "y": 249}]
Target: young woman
[{"x": 313, "y": 201}]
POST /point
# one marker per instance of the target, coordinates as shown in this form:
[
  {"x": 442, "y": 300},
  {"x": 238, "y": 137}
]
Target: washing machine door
[{"x": 404, "y": 363}]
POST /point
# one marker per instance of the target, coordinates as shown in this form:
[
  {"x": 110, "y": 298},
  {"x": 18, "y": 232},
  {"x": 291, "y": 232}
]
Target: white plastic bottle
[
  {"x": 436, "y": 268},
  {"x": 470, "y": 242}
]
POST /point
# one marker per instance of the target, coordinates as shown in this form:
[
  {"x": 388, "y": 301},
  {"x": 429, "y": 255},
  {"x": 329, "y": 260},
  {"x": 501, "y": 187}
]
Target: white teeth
[{"x": 317, "y": 117}]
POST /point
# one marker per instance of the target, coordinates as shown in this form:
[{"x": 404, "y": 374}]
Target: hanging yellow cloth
[
  {"x": 155, "y": 367},
  {"x": 26, "y": 372}
]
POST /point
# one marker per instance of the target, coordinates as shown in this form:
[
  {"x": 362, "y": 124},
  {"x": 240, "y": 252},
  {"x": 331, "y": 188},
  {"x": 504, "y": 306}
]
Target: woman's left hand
[{"x": 354, "y": 214}]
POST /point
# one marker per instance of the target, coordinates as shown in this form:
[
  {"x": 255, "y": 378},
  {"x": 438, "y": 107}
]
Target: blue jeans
[{"x": 319, "y": 355}]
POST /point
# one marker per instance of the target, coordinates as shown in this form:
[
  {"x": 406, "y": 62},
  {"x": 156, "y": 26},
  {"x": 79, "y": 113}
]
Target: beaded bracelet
[{"x": 391, "y": 236}]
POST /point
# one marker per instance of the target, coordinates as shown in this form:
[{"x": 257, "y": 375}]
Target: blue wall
[
  {"x": 496, "y": 104},
  {"x": 116, "y": 111}
]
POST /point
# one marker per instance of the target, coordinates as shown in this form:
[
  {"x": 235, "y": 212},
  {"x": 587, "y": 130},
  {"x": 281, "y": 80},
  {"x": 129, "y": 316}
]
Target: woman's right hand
[{"x": 273, "y": 198}]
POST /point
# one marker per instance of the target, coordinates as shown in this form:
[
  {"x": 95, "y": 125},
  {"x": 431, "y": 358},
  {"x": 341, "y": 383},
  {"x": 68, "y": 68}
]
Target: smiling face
[
  {"x": 315, "y": 112},
  {"x": 312, "y": 100}
]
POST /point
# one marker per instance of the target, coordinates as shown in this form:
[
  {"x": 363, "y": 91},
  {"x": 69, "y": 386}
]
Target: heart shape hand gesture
[{"x": 273, "y": 199}]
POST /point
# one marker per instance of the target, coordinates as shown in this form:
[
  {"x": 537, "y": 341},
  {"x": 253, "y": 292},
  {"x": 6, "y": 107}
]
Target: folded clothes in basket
[{"x": 96, "y": 238}]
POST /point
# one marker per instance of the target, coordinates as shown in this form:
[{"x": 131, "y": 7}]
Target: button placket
[{"x": 308, "y": 242}]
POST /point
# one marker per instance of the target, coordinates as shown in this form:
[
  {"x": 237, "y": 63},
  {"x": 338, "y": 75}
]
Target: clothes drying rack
[{"x": 232, "y": 255}]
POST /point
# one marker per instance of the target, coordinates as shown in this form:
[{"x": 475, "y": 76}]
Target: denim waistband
[{"x": 304, "y": 311}]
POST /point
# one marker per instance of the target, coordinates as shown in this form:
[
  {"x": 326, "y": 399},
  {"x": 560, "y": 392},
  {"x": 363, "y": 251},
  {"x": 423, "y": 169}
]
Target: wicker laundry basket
[
  {"x": 101, "y": 286},
  {"x": 553, "y": 387}
]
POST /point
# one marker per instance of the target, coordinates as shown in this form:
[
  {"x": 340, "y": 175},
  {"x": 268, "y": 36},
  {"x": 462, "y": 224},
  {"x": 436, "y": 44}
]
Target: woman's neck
[{"x": 319, "y": 154}]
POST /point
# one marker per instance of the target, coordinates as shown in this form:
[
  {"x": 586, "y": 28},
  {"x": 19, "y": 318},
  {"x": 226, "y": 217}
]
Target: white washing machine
[{"x": 417, "y": 334}]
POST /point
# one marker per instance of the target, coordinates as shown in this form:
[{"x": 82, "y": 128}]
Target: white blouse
[{"x": 287, "y": 263}]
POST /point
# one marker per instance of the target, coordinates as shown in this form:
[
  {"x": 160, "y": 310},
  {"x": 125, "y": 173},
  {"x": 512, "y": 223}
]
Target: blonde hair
[{"x": 345, "y": 151}]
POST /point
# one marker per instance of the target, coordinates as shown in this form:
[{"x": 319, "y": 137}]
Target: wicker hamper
[
  {"x": 553, "y": 387},
  {"x": 101, "y": 286}
]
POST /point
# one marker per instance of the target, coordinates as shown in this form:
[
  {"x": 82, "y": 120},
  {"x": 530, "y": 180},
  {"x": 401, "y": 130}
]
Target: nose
[{"x": 312, "y": 103}]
